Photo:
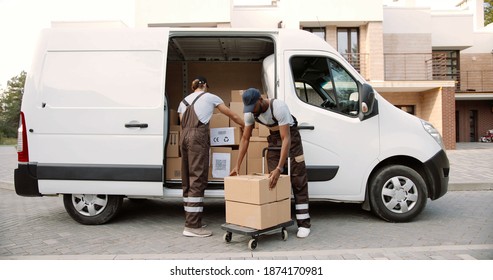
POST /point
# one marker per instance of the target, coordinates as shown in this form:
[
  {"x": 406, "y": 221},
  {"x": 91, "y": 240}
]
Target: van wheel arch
[
  {"x": 92, "y": 209},
  {"x": 396, "y": 193}
]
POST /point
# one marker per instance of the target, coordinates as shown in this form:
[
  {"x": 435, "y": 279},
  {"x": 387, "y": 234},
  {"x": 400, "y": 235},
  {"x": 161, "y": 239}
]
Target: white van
[{"x": 96, "y": 109}]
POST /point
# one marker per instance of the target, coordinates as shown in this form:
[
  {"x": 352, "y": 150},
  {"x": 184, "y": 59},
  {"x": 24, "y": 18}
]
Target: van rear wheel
[
  {"x": 92, "y": 209},
  {"x": 397, "y": 193}
]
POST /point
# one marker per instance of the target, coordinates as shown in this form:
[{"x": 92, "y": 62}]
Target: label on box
[
  {"x": 224, "y": 136},
  {"x": 221, "y": 163}
]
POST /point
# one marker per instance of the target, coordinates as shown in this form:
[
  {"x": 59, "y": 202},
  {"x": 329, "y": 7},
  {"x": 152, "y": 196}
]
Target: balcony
[
  {"x": 476, "y": 81},
  {"x": 424, "y": 67}
]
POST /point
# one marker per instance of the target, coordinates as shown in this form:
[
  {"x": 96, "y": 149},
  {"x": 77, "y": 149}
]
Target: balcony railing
[
  {"x": 359, "y": 61},
  {"x": 424, "y": 67},
  {"x": 476, "y": 81}
]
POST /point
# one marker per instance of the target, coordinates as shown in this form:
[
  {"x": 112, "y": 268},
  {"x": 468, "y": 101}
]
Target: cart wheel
[
  {"x": 227, "y": 236},
  {"x": 284, "y": 234},
  {"x": 252, "y": 244}
]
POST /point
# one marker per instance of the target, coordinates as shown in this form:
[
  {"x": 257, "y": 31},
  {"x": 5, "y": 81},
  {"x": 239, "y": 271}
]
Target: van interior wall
[{"x": 223, "y": 77}]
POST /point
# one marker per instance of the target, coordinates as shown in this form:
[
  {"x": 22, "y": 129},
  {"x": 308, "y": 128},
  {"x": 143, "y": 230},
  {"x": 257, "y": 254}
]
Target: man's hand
[
  {"x": 234, "y": 172},
  {"x": 274, "y": 176}
]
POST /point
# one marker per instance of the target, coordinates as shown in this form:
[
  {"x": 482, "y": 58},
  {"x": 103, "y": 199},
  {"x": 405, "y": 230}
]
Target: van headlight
[{"x": 433, "y": 132}]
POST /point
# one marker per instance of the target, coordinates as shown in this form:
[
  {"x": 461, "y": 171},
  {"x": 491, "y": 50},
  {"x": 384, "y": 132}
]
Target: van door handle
[
  {"x": 139, "y": 125},
  {"x": 306, "y": 127}
]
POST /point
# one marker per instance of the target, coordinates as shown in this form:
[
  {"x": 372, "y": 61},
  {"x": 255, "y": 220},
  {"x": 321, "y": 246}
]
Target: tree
[
  {"x": 488, "y": 12},
  {"x": 10, "y": 105}
]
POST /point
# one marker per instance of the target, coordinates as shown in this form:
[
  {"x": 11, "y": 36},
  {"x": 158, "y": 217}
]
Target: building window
[
  {"x": 319, "y": 31},
  {"x": 348, "y": 45},
  {"x": 407, "y": 108},
  {"x": 446, "y": 66}
]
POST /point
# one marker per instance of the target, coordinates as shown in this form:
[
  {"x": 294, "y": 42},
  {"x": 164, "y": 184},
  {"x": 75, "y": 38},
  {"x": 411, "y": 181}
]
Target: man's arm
[{"x": 232, "y": 115}]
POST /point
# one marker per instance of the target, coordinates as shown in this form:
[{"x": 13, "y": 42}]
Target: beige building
[{"x": 435, "y": 64}]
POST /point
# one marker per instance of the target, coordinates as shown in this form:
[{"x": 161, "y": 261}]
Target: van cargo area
[{"x": 230, "y": 64}]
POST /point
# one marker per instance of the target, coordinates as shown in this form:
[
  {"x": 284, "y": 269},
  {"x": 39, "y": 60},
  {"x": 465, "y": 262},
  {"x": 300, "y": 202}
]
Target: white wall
[
  {"x": 445, "y": 29},
  {"x": 173, "y": 12},
  {"x": 482, "y": 43},
  {"x": 339, "y": 10},
  {"x": 406, "y": 20}
]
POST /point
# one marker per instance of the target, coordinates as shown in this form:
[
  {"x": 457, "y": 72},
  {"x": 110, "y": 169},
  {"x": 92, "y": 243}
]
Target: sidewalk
[{"x": 471, "y": 167}]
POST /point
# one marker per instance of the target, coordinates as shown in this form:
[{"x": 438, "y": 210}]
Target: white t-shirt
[
  {"x": 281, "y": 112},
  {"x": 204, "y": 107}
]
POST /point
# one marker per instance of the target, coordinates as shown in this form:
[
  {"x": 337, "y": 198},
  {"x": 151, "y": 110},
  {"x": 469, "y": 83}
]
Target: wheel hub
[
  {"x": 399, "y": 194},
  {"x": 89, "y": 204}
]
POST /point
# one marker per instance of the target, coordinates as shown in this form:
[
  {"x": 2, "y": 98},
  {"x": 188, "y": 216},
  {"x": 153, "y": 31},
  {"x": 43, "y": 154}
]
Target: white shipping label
[{"x": 221, "y": 163}]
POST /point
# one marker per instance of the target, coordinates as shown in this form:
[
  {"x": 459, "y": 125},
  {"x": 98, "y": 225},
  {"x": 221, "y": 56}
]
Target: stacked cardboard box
[
  {"x": 251, "y": 203},
  {"x": 173, "y": 157},
  {"x": 254, "y": 155}
]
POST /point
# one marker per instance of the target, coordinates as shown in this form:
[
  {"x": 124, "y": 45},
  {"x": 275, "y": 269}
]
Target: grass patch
[{"x": 8, "y": 141}]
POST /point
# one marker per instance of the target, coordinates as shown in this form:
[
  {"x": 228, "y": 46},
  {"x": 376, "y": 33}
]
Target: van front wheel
[
  {"x": 92, "y": 209},
  {"x": 397, "y": 193}
]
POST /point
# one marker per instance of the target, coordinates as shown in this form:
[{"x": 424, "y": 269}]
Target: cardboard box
[
  {"x": 237, "y": 108},
  {"x": 173, "y": 117},
  {"x": 175, "y": 128},
  {"x": 236, "y": 95},
  {"x": 225, "y": 136},
  {"x": 219, "y": 120},
  {"x": 263, "y": 131},
  {"x": 256, "y": 146},
  {"x": 173, "y": 148},
  {"x": 222, "y": 161},
  {"x": 254, "y": 189},
  {"x": 254, "y": 166},
  {"x": 173, "y": 168},
  {"x": 258, "y": 216}
]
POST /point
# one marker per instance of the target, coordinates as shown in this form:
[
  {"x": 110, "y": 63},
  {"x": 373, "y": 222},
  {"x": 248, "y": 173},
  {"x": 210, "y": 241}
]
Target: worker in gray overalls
[
  {"x": 195, "y": 112},
  {"x": 284, "y": 134}
]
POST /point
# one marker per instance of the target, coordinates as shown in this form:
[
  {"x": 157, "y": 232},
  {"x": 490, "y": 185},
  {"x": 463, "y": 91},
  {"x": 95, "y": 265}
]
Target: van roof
[{"x": 186, "y": 44}]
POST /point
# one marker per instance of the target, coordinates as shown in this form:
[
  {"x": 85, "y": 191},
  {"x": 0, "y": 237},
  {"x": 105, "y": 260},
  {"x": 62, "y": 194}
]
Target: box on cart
[{"x": 251, "y": 203}]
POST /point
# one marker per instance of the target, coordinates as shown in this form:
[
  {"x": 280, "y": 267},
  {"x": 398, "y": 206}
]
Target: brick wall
[
  {"x": 484, "y": 122},
  {"x": 435, "y": 106},
  {"x": 448, "y": 117}
]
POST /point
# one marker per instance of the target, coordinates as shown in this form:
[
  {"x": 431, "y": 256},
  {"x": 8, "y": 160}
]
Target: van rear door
[{"x": 98, "y": 121}]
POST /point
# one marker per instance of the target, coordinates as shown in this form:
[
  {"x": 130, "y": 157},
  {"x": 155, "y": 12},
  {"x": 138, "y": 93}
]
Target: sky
[{"x": 22, "y": 20}]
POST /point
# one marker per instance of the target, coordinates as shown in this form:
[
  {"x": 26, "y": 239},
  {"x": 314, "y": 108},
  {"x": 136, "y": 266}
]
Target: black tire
[
  {"x": 92, "y": 209},
  {"x": 227, "y": 237},
  {"x": 397, "y": 193},
  {"x": 252, "y": 244}
]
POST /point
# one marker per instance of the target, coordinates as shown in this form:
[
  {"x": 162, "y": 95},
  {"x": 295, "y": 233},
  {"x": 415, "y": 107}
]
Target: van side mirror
[{"x": 367, "y": 101}]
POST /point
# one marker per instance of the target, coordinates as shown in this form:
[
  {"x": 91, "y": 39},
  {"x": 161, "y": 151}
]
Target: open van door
[
  {"x": 97, "y": 122},
  {"x": 340, "y": 146}
]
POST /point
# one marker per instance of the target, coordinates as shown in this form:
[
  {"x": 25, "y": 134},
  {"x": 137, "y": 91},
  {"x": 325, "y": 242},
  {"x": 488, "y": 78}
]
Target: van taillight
[{"x": 22, "y": 151}]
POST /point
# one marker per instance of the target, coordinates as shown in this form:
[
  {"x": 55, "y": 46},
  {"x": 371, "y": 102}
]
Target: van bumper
[
  {"x": 26, "y": 180},
  {"x": 438, "y": 169}
]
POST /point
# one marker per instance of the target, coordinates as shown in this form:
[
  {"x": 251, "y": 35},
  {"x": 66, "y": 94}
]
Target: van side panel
[{"x": 95, "y": 109}]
